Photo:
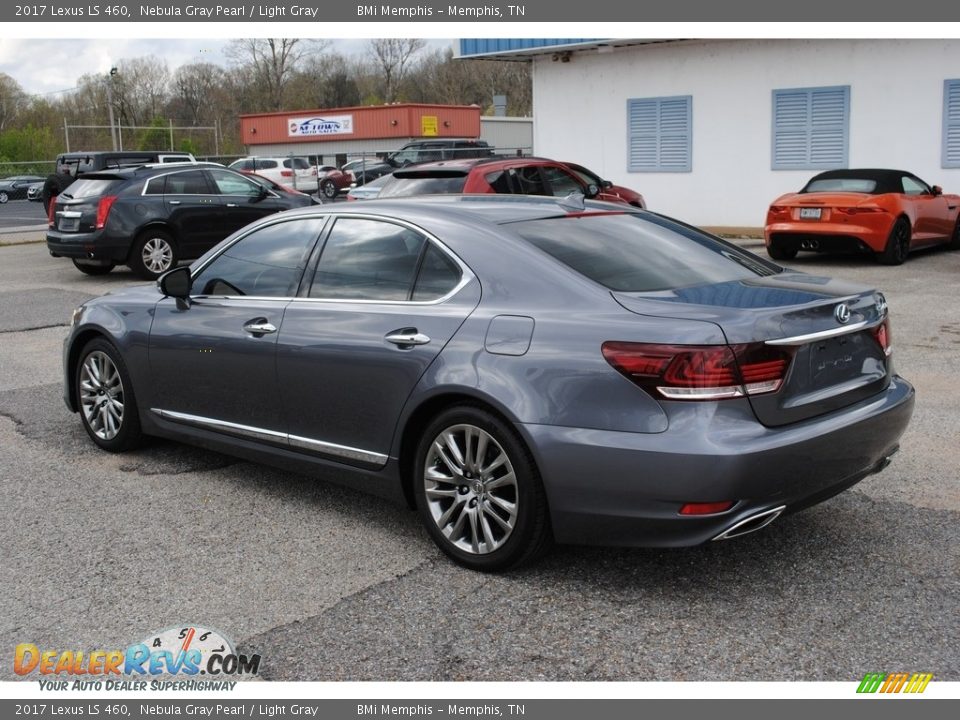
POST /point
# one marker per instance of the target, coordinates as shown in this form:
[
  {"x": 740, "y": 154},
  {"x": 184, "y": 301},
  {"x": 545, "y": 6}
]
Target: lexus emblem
[{"x": 842, "y": 313}]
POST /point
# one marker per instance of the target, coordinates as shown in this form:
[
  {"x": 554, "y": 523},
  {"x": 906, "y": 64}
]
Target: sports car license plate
[
  {"x": 68, "y": 224},
  {"x": 810, "y": 213}
]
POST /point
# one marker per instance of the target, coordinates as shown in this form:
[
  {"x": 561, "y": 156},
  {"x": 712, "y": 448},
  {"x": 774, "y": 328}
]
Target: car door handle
[
  {"x": 260, "y": 326},
  {"x": 232, "y": 205},
  {"x": 173, "y": 202},
  {"x": 407, "y": 337}
]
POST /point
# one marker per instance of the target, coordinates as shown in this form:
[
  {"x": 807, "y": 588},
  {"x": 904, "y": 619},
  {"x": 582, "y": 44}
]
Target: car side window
[
  {"x": 561, "y": 182},
  {"x": 264, "y": 164},
  {"x": 229, "y": 183},
  {"x": 438, "y": 275},
  {"x": 268, "y": 262},
  {"x": 191, "y": 182},
  {"x": 530, "y": 181},
  {"x": 499, "y": 181},
  {"x": 911, "y": 186},
  {"x": 367, "y": 260},
  {"x": 155, "y": 185}
]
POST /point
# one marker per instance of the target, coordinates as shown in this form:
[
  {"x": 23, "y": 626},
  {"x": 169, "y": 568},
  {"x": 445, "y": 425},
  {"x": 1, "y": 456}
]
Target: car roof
[
  {"x": 129, "y": 172},
  {"x": 465, "y": 165},
  {"x": 487, "y": 208},
  {"x": 888, "y": 181}
]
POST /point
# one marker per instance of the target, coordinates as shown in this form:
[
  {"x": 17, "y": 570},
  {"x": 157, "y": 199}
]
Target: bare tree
[
  {"x": 198, "y": 93},
  {"x": 140, "y": 89},
  {"x": 393, "y": 57},
  {"x": 272, "y": 62},
  {"x": 12, "y": 100}
]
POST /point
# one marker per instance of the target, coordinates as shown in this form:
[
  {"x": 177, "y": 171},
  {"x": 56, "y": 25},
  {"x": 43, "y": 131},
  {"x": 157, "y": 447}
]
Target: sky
[{"x": 51, "y": 65}]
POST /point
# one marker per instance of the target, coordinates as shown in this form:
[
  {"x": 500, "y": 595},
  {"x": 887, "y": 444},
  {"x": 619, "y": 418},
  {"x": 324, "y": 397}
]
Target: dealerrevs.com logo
[
  {"x": 189, "y": 651},
  {"x": 887, "y": 683}
]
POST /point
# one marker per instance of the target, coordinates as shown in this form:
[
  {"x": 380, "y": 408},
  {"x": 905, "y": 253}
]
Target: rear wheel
[
  {"x": 329, "y": 189},
  {"x": 108, "y": 408},
  {"x": 153, "y": 254},
  {"x": 779, "y": 250},
  {"x": 898, "y": 243},
  {"x": 3, "y": 197},
  {"x": 91, "y": 269},
  {"x": 478, "y": 491}
]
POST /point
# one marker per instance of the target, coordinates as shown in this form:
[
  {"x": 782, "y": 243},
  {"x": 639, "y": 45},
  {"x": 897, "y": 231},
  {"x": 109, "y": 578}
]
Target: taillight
[
  {"x": 286, "y": 173},
  {"x": 103, "y": 210},
  {"x": 858, "y": 210},
  {"x": 882, "y": 335},
  {"x": 708, "y": 508},
  {"x": 777, "y": 209},
  {"x": 52, "y": 212},
  {"x": 700, "y": 372}
]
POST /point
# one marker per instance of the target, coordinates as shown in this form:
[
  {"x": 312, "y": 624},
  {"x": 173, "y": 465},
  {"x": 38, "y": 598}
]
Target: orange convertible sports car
[{"x": 886, "y": 212}]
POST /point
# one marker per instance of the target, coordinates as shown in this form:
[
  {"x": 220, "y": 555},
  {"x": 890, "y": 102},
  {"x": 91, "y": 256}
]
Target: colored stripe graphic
[{"x": 894, "y": 682}]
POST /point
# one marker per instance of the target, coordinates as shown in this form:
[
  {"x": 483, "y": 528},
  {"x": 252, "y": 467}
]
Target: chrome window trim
[
  {"x": 466, "y": 275},
  {"x": 825, "y": 334},
  {"x": 248, "y": 431}
]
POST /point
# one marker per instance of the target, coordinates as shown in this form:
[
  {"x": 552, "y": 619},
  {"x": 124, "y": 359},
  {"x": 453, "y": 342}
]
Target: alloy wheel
[
  {"x": 101, "y": 395},
  {"x": 157, "y": 255},
  {"x": 471, "y": 489}
]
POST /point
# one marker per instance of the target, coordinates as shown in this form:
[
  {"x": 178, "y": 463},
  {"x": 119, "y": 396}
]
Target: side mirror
[
  {"x": 606, "y": 184},
  {"x": 592, "y": 190},
  {"x": 937, "y": 190},
  {"x": 176, "y": 283}
]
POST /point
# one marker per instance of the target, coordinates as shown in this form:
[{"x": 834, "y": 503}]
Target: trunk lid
[{"x": 836, "y": 357}]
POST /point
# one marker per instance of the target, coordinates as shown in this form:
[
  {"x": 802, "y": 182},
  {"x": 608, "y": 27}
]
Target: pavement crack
[{"x": 37, "y": 327}]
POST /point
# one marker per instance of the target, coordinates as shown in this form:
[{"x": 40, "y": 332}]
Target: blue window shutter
[
  {"x": 659, "y": 134},
  {"x": 951, "y": 124},
  {"x": 811, "y": 128}
]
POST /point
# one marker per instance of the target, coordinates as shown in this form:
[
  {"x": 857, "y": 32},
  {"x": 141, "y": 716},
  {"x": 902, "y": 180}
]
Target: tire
[
  {"x": 954, "y": 243},
  {"x": 4, "y": 197},
  {"x": 779, "y": 251},
  {"x": 93, "y": 269},
  {"x": 153, "y": 254},
  {"x": 898, "y": 243},
  {"x": 329, "y": 189},
  {"x": 108, "y": 407},
  {"x": 482, "y": 515}
]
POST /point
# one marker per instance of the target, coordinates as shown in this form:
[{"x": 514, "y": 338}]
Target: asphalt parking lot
[{"x": 99, "y": 550}]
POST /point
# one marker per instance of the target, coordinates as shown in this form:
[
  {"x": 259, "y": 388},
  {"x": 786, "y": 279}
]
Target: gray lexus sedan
[{"x": 520, "y": 370}]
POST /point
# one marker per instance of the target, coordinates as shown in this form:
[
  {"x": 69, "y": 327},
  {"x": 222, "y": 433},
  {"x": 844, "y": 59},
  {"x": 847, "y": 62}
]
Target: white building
[{"x": 711, "y": 131}]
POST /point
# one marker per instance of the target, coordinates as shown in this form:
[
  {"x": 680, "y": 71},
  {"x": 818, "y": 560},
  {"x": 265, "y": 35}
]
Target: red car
[
  {"x": 608, "y": 191},
  {"x": 885, "y": 212},
  {"x": 506, "y": 175}
]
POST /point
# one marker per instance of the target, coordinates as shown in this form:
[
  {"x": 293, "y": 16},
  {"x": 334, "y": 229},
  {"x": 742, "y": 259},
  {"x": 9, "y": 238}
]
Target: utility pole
[{"x": 113, "y": 131}]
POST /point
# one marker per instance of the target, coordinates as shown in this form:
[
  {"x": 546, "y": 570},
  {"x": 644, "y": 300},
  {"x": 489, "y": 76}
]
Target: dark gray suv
[{"x": 152, "y": 217}]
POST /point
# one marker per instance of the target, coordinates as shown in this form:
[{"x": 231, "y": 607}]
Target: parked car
[
  {"x": 608, "y": 191},
  {"x": 510, "y": 175},
  {"x": 518, "y": 369},
  {"x": 15, "y": 187},
  {"x": 885, "y": 212},
  {"x": 294, "y": 172},
  {"x": 73, "y": 165},
  {"x": 424, "y": 151},
  {"x": 336, "y": 182},
  {"x": 368, "y": 191},
  {"x": 35, "y": 192},
  {"x": 153, "y": 216},
  {"x": 353, "y": 174}
]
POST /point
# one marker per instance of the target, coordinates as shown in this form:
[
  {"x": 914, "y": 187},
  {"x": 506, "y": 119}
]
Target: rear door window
[{"x": 190, "y": 182}]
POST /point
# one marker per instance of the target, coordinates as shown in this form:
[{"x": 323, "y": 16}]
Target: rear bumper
[
  {"x": 90, "y": 246},
  {"x": 616, "y": 488},
  {"x": 831, "y": 236}
]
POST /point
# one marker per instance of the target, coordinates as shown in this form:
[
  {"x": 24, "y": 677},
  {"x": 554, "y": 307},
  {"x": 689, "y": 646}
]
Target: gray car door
[
  {"x": 383, "y": 301},
  {"x": 213, "y": 358}
]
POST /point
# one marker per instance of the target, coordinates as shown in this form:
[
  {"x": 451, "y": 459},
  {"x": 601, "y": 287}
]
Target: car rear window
[
  {"x": 90, "y": 187},
  {"x": 404, "y": 187},
  {"x": 630, "y": 253},
  {"x": 856, "y": 185}
]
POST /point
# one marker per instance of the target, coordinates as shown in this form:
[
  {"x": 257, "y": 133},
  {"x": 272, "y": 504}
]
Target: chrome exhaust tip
[
  {"x": 751, "y": 524},
  {"x": 810, "y": 245}
]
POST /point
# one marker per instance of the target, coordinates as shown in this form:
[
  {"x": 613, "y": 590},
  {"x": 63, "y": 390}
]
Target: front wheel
[
  {"x": 329, "y": 189},
  {"x": 898, "y": 244},
  {"x": 153, "y": 254},
  {"x": 108, "y": 408},
  {"x": 478, "y": 491}
]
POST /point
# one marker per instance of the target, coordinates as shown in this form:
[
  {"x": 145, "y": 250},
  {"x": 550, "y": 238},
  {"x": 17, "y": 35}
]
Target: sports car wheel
[
  {"x": 329, "y": 189},
  {"x": 153, "y": 254},
  {"x": 898, "y": 244},
  {"x": 478, "y": 491},
  {"x": 954, "y": 243},
  {"x": 105, "y": 397}
]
